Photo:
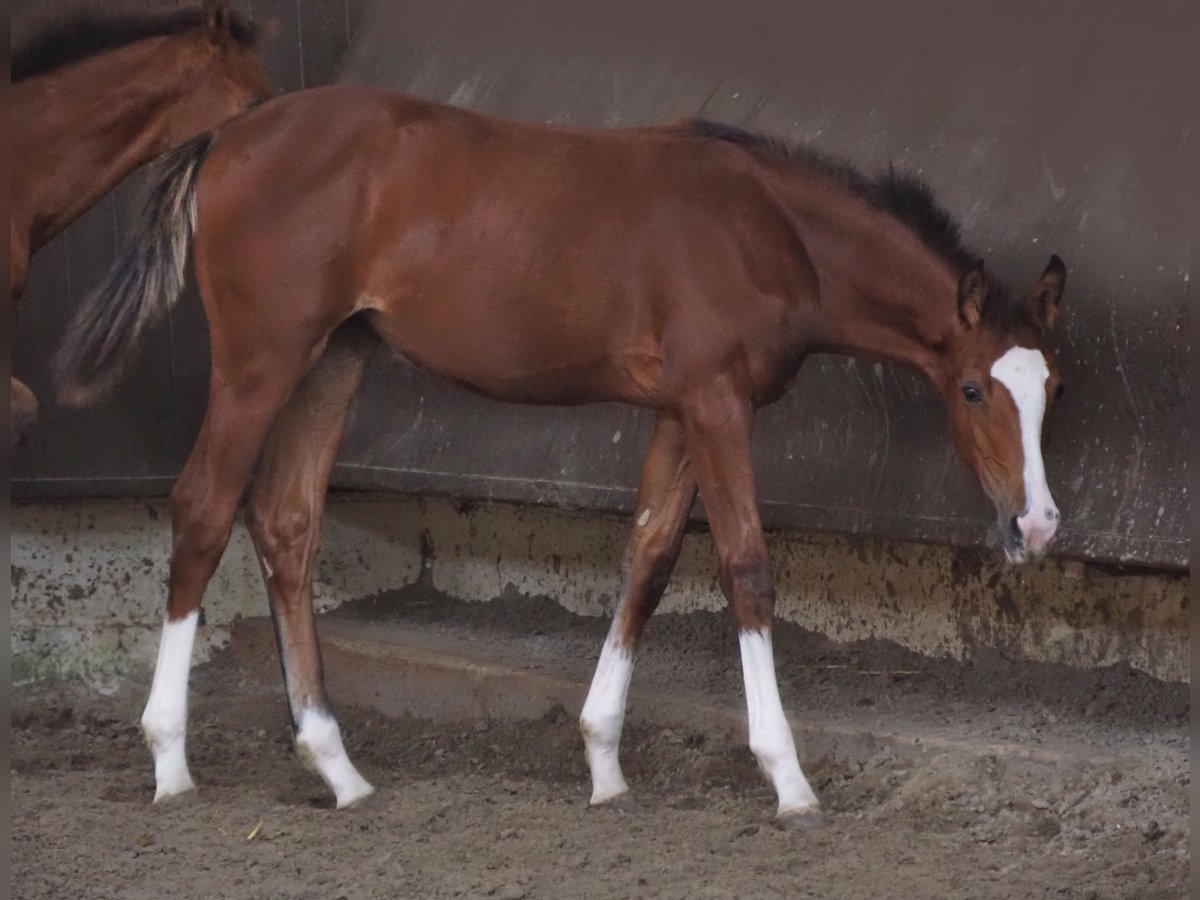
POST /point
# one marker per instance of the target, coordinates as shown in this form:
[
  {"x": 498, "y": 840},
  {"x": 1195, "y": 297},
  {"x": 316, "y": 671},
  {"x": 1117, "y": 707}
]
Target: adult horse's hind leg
[
  {"x": 718, "y": 425},
  {"x": 245, "y": 395},
  {"x": 23, "y": 409},
  {"x": 664, "y": 498},
  {"x": 284, "y": 517}
]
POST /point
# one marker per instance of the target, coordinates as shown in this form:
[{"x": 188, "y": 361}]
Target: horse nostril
[{"x": 1051, "y": 514}]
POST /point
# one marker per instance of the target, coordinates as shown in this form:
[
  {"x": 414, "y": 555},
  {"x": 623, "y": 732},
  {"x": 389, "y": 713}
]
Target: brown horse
[
  {"x": 94, "y": 98},
  {"x": 687, "y": 268}
]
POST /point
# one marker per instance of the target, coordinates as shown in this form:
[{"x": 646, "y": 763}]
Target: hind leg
[
  {"x": 249, "y": 387},
  {"x": 284, "y": 517},
  {"x": 23, "y": 406},
  {"x": 664, "y": 498}
]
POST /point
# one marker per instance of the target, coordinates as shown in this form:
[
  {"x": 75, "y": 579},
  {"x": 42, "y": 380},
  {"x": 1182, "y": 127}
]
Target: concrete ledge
[{"x": 89, "y": 581}]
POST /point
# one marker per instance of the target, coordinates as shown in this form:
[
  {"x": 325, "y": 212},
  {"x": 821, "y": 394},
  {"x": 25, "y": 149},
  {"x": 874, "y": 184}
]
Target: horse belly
[{"x": 504, "y": 350}]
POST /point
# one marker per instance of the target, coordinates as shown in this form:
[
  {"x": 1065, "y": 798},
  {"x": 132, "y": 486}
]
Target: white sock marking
[
  {"x": 602, "y": 718},
  {"x": 1023, "y": 372},
  {"x": 319, "y": 744},
  {"x": 164, "y": 721},
  {"x": 770, "y": 736}
]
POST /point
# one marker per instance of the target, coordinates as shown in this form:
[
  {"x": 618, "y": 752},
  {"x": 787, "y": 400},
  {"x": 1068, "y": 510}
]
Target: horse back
[{"x": 529, "y": 262}]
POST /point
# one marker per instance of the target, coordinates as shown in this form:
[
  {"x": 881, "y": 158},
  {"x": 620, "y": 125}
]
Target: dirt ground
[{"x": 1020, "y": 782}]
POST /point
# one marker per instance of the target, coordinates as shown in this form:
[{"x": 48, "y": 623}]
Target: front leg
[
  {"x": 664, "y": 500},
  {"x": 718, "y": 425}
]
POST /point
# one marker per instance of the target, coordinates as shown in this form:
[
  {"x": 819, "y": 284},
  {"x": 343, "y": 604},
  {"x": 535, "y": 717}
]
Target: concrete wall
[{"x": 89, "y": 580}]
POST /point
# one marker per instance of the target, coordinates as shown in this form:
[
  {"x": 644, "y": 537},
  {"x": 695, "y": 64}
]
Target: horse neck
[
  {"x": 85, "y": 128},
  {"x": 884, "y": 294}
]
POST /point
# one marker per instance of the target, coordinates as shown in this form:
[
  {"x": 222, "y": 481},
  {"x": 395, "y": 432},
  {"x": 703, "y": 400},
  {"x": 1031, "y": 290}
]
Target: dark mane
[
  {"x": 84, "y": 34},
  {"x": 904, "y": 197}
]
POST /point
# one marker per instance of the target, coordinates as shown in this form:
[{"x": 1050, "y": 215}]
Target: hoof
[
  {"x": 175, "y": 796},
  {"x": 363, "y": 797},
  {"x": 622, "y": 803},
  {"x": 810, "y": 819}
]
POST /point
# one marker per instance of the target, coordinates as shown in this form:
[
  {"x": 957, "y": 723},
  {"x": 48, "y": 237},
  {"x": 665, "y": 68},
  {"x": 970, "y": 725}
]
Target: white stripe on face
[{"x": 1023, "y": 372}]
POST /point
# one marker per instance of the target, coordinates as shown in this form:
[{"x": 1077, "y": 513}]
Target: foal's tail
[{"x": 142, "y": 285}]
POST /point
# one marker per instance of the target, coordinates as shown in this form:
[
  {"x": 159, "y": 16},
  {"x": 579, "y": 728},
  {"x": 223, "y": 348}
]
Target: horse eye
[{"x": 972, "y": 393}]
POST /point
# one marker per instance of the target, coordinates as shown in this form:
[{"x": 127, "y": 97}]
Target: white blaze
[
  {"x": 164, "y": 721},
  {"x": 770, "y": 735},
  {"x": 602, "y": 718},
  {"x": 1023, "y": 372}
]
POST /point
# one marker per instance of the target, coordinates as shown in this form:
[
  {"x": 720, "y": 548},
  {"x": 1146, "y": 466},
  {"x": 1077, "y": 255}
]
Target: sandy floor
[{"x": 499, "y": 809}]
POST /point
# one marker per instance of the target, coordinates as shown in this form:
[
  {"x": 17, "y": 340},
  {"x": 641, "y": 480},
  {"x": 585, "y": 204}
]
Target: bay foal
[
  {"x": 688, "y": 269},
  {"x": 94, "y": 97}
]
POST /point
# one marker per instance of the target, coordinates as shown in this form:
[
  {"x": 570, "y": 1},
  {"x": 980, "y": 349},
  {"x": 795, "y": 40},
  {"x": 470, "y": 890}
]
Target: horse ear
[
  {"x": 972, "y": 292},
  {"x": 1046, "y": 296},
  {"x": 217, "y": 14}
]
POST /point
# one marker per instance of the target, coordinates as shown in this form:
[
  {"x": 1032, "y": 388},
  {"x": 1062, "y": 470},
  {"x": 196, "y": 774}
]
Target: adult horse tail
[{"x": 142, "y": 285}]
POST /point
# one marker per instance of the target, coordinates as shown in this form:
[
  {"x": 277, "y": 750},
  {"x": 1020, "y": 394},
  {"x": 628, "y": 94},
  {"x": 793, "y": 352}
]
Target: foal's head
[{"x": 1000, "y": 383}]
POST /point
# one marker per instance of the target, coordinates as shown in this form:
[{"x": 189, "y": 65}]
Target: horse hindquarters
[
  {"x": 256, "y": 368},
  {"x": 242, "y": 405}
]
